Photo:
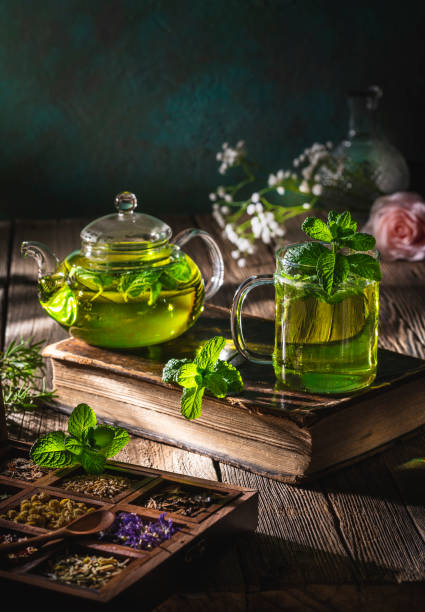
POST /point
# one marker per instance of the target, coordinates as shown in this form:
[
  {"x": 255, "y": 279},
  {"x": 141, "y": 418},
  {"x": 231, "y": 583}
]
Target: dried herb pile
[
  {"x": 104, "y": 485},
  {"x": 84, "y": 570},
  {"x": 42, "y": 510},
  {"x": 22, "y": 469},
  {"x": 5, "y": 495},
  {"x": 132, "y": 530},
  {"x": 181, "y": 501},
  {"x": 8, "y": 538}
]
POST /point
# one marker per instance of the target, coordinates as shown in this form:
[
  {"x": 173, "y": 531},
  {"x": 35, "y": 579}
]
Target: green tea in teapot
[
  {"x": 128, "y": 286},
  {"x": 125, "y": 309}
]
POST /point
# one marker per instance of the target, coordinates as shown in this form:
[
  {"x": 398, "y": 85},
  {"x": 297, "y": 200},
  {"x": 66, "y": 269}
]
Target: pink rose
[{"x": 398, "y": 223}]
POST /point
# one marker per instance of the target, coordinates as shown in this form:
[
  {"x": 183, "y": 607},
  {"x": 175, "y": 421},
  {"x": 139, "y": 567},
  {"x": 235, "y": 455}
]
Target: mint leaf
[
  {"x": 73, "y": 445},
  {"x": 49, "y": 451},
  {"x": 155, "y": 290},
  {"x": 341, "y": 270},
  {"x": 364, "y": 266},
  {"x": 172, "y": 368},
  {"x": 189, "y": 375},
  {"x": 345, "y": 223},
  {"x": 57, "y": 450},
  {"x": 119, "y": 440},
  {"x": 317, "y": 229},
  {"x": 302, "y": 258},
  {"x": 216, "y": 384},
  {"x": 359, "y": 242},
  {"x": 101, "y": 436},
  {"x": 88, "y": 279},
  {"x": 81, "y": 419},
  {"x": 92, "y": 462},
  {"x": 325, "y": 271},
  {"x": 179, "y": 271},
  {"x": 210, "y": 352},
  {"x": 131, "y": 285},
  {"x": 191, "y": 402},
  {"x": 230, "y": 375},
  {"x": 341, "y": 224}
]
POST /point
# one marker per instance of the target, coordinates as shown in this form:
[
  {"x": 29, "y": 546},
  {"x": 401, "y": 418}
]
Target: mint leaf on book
[
  {"x": 191, "y": 402},
  {"x": 210, "y": 352},
  {"x": 189, "y": 375},
  {"x": 230, "y": 375},
  {"x": 172, "y": 368},
  {"x": 205, "y": 372}
]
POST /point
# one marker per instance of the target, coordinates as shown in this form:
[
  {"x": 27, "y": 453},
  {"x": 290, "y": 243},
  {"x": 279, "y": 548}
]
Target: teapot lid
[{"x": 125, "y": 230}]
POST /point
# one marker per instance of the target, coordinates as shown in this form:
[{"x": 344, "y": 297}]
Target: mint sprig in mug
[{"x": 326, "y": 311}]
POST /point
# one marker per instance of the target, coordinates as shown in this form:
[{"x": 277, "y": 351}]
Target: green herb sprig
[
  {"x": 130, "y": 285},
  {"x": 22, "y": 374},
  {"x": 205, "y": 372},
  {"x": 86, "y": 443},
  {"x": 331, "y": 265}
]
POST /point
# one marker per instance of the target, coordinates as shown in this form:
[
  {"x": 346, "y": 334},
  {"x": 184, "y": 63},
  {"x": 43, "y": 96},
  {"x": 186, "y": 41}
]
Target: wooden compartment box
[{"x": 230, "y": 509}]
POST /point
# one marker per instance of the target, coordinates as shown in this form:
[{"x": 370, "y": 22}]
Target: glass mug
[{"x": 322, "y": 345}]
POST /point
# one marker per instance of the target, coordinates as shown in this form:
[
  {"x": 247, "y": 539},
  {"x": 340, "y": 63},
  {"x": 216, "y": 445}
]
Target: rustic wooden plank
[
  {"x": 313, "y": 598},
  {"x": 409, "y": 479},
  {"x": 25, "y": 317},
  {"x": 375, "y": 524},
  {"x": 402, "y": 304},
  {"x": 6, "y": 236},
  {"x": 296, "y": 541}
]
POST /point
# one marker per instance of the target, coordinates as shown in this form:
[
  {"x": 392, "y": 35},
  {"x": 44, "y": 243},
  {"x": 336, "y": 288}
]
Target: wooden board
[
  {"x": 304, "y": 554},
  {"x": 232, "y": 509},
  {"x": 277, "y": 433}
]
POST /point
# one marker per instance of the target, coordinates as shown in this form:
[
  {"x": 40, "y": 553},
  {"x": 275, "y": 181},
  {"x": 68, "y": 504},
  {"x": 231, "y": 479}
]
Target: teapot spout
[{"x": 46, "y": 261}]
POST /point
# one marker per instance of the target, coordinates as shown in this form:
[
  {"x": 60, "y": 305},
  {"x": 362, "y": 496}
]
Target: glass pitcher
[{"x": 322, "y": 344}]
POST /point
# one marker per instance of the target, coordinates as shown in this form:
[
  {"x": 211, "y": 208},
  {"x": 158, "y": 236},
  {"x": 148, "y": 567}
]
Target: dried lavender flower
[{"x": 130, "y": 529}]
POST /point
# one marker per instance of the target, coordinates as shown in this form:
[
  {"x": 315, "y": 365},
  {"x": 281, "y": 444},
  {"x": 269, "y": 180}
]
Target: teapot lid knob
[{"x": 125, "y": 203}]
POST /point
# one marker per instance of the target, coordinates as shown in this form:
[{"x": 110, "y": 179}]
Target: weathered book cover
[{"x": 283, "y": 435}]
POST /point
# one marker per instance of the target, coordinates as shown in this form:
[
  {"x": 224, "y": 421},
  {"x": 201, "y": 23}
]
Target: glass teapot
[{"x": 127, "y": 286}]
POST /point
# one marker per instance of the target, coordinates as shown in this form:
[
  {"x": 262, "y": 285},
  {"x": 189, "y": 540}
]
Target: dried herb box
[{"x": 200, "y": 510}]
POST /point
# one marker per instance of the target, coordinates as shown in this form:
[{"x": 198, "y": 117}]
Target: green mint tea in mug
[{"x": 327, "y": 303}]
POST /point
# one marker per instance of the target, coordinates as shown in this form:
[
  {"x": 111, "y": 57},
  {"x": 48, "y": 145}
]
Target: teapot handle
[{"x": 217, "y": 277}]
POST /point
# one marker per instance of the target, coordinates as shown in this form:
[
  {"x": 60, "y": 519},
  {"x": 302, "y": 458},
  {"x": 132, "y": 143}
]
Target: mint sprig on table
[
  {"x": 205, "y": 373},
  {"x": 331, "y": 266},
  {"x": 86, "y": 443}
]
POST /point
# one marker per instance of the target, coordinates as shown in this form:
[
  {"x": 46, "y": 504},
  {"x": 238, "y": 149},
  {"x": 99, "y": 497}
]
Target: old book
[{"x": 284, "y": 435}]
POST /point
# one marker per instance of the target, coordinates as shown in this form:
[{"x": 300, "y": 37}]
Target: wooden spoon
[{"x": 85, "y": 525}]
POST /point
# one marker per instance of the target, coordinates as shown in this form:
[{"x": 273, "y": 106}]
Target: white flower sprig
[
  {"x": 319, "y": 176},
  {"x": 255, "y": 218}
]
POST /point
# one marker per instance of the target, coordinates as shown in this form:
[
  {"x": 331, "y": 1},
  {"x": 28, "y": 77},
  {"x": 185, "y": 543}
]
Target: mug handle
[
  {"x": 236, "y": 315},
  {"x": 217, "y": 277}
]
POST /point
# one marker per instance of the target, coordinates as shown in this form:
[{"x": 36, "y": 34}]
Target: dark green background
[{"x": 101, "y": 96}]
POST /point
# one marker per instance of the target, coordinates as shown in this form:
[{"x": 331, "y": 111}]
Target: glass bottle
[{"x": 367, "y": 154}]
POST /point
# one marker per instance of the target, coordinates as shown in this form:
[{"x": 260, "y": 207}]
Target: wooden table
[{"x": 353, "y": 540}]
